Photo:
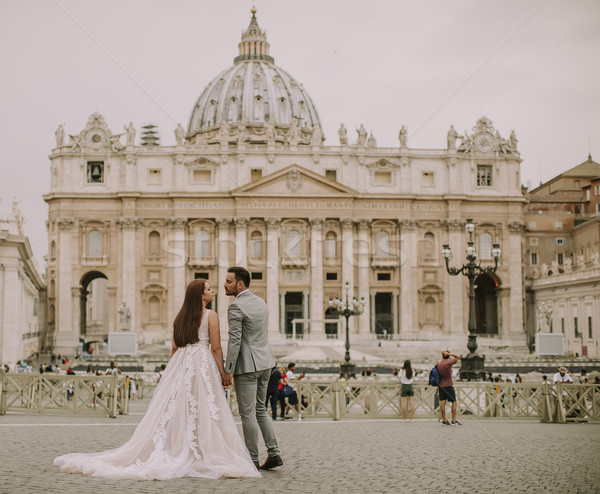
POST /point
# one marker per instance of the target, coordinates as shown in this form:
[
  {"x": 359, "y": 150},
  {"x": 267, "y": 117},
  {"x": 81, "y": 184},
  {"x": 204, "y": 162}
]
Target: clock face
[
  {"x": 95, "y": 138},
  {"x": 484, "y": 142}
]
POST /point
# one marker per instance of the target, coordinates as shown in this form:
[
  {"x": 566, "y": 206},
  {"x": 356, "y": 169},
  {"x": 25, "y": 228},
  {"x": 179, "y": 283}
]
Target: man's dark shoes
[
  {"x": 445, "y": 423},
  {"x": 272, "y": 462},
  {"x": 256, "y": 464}
]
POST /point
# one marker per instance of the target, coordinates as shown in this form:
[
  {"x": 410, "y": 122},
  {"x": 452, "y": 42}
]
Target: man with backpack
[{"x": 446, "y": 388}]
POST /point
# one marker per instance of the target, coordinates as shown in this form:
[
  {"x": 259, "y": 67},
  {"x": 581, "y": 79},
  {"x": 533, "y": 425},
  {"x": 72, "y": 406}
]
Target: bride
[{"x": 188, "y": 429}]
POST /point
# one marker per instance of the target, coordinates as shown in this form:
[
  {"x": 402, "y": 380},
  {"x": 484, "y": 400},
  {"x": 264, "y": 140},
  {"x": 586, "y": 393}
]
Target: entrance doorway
[
  {"x": 93, "y": 303},
  {"x": 294, "y": 309},
  {"x": 384, "y": 318},
  {"x": 486, "y": 304}
]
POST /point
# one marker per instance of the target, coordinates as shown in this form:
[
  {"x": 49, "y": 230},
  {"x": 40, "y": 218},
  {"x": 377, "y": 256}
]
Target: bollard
[
  {"x": 337, "y": 400},
  {"x": 3, "y": 392}
]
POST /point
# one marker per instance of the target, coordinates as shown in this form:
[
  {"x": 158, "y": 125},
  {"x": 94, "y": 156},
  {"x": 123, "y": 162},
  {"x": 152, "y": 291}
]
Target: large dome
[{"x": 254, "y": 93}]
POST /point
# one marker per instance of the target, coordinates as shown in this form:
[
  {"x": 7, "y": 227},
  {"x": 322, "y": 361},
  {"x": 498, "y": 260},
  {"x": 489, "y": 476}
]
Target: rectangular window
[
  {"x": 562, "y": 325},
  {"x": 560, "y": 259},
  {"x": 533, "y": 241},
  {"x": 256, "y": 275},
  {"x": 331, "y": 276},
  {"x": 532, "y": 224},
  {"x": 598, "y": 208},
  {"x": 427, "y": 180},
  {"x": 382, "y": 178},
  {"x": 202, "y": 275},
  {"x": 95, "y": 172},
  {"x": 558, "y": 224},
  {"x": 576, "y": 327},
  {"x": 587, "y": 195},
  {"x": 560, "y": 241},
  {"x": 597, "y": 190},
  {"x": 255, "y": 174},
  {"x": 202, "y": 176},
  {"x": 590, "y": 327},
  {"x": 384, "y": 276},
  {"x": 331, "y": 175},
  {"x": 484, "y": 176},
  {"x": 534, "y": 258},
  {"x": 36, "y": 303},
  {"x": 154, "y": 177}
]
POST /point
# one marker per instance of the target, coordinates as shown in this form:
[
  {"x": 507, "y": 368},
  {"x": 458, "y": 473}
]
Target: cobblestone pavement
[{"x": 323, "y": 456}]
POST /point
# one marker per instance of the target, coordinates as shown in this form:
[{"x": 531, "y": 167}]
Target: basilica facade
[{"x": 252, "y": 182}]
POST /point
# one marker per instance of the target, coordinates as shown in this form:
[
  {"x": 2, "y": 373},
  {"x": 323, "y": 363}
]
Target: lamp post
[
  {"x": 347, "y": 307},
  {"x": 472, "y": 366}
]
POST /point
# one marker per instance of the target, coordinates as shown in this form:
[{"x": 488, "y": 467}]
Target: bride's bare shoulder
[{"x": 213, "y": 318}]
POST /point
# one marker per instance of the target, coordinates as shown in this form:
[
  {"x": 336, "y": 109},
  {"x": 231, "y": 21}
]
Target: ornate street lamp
[
  {"x": 347, "y": 307},
  {"x": 472, "y": 366}
]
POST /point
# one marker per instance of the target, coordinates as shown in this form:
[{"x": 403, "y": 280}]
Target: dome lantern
[{"x": 254, "y": 45}]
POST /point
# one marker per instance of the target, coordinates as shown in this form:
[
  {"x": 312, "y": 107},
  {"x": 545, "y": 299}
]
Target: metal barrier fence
[
  {"x": 59, "y": 394},
  {"x": 334, "y": 399}
]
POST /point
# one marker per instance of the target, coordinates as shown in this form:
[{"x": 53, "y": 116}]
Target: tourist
[
  {"x": 273, "y": 390},
  {"x": 112, "y": 370},
  {"x": 407, "y": 391},
  {"x": 161, "y": 372},
  {"x": 446, "y": 387},
  {"x": 293, "y": 397}
]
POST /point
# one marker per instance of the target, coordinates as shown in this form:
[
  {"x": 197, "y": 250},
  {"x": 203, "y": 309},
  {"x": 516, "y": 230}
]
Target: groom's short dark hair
[{"x": 241, "y": 274}]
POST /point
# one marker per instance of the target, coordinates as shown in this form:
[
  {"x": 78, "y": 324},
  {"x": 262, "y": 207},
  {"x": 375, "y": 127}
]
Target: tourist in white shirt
[
  {"x": 407, "y": 392},
  {"x": 562, "y": 376}
]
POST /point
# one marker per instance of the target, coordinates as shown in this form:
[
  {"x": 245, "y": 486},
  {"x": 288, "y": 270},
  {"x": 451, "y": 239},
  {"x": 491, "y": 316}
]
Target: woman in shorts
[{"x": 407, "y": 391}]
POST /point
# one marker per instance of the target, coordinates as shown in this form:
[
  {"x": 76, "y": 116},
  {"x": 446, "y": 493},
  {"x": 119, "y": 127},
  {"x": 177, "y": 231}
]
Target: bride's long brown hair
[{"x": 185, "y": 326}]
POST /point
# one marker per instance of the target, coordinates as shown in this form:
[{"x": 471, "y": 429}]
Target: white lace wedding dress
[{"x": 188, "y": 429}]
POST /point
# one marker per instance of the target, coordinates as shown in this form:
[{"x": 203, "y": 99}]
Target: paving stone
[{"x": 323, "y": 456}]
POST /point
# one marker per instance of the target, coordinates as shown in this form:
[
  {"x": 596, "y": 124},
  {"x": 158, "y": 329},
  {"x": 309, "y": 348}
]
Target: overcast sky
[{"x": 531, "y": 66}]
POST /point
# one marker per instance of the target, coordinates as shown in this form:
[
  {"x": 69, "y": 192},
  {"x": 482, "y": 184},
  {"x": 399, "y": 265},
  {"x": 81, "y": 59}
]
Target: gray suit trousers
[{"x": 251, "y": 393}]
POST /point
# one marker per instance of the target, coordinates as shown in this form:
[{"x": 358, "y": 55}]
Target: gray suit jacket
[{"x": 248, "y": 349}]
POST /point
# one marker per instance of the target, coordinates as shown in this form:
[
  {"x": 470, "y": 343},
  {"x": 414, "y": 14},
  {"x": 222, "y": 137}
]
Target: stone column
[
  {"x": 348, "y": 260},
  {"x": 223, "y": 264},
  {"x": 408, "y": 276},
  {"x": 66, "y": 336},
  {"x": 305, "y": 307},
  {"x": 317, "y": 311},
  {"x": 513, "y": 257},
  {"x": 364, "y": 269},
  {"x": 457, "y": 287},
  {"x": 128, "y": 226},
  {"x": 273, "y": 276},
  {"x": 177, "y": 247},
  {"x": 241, "y": 242}
]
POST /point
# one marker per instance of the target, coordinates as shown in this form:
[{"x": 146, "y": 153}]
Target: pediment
[
  {"x": 201, "y": 163},
  {"x": 296, "y": 181}
]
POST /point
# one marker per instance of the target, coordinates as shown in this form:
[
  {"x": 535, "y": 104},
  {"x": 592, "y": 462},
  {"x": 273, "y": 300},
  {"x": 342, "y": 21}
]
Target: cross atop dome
[{"x": 254, "y": 44}]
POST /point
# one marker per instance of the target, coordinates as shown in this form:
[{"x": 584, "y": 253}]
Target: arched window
[
  {"x": 52, "y": 289},
  {"x": 256, "y": 245},
  {"x": 154, "y": 244},
  {"x": 330, "y": 245},
  {"x": 201, "y": 244},
  {"x": 154, "y": 309},
  {"x": 53, "y": 250},
  {"x": 428, "y": 247},
  {"x": 51, "y": 314},
  {"x": 382, "y": 244},
  {"x": 293, "y": 247},
  {"x": 485, "y": 246},
  {"x": 94, "y": 244}
]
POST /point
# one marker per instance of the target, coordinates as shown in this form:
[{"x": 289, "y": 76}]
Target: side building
[
  {"x": 22, "y": 293},
  {"x": 562, "y": 264},
  {"x": 251, "y": 182}
]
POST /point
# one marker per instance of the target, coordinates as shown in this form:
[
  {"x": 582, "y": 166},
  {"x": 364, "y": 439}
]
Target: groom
[{"x": 250, "y": 360}]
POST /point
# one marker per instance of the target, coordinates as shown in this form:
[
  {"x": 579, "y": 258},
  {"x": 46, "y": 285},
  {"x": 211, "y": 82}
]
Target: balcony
[
  {"x": 202, "y": 261},
  {"x": 94, "y": 261},
  {"x": 384, "y": 262},
  {"x": 294, "y": 262}
]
